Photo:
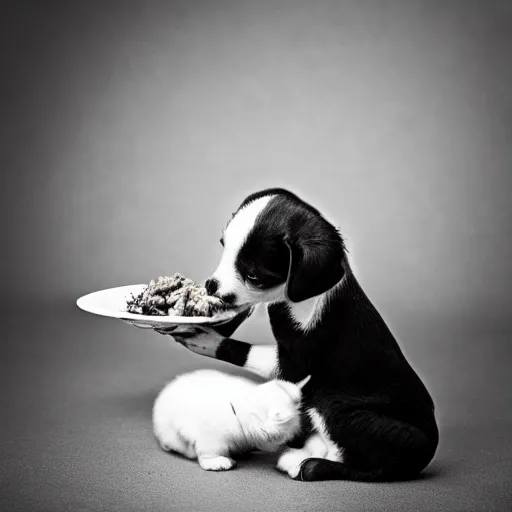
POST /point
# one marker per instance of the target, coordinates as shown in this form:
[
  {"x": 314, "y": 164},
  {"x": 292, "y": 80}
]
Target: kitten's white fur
[{"x": 193, "y": 415}]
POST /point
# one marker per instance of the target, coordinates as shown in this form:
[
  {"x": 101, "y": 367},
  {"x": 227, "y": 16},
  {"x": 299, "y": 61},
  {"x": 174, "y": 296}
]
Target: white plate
[{"x": 112, "y": 303}]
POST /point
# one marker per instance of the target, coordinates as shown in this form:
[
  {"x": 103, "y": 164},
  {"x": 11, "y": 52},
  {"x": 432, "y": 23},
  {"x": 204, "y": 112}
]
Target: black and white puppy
[{"x": 366, "y": 414}]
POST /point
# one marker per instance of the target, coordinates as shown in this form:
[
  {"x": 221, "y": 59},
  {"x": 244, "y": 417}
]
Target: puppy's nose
[{"x": 211, "y": 285}]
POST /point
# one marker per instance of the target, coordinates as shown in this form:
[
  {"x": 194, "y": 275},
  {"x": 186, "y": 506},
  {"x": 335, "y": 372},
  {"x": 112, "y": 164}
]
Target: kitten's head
[{"x": 274, "y": 410}]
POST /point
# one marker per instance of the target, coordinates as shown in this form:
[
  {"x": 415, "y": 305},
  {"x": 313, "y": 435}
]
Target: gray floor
[{"x": 79, "y": 437}]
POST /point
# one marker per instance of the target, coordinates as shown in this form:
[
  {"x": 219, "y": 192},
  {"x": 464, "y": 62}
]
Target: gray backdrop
[{"x": 132, "y": 130}]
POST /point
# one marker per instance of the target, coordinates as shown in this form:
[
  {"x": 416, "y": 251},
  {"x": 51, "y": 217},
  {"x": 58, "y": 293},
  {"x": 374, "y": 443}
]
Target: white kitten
[{"x": 209, "y": 415}]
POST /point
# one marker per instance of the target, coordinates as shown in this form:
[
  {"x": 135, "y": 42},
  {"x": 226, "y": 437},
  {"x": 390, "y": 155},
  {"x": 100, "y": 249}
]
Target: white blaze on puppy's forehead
[
  {"x": 235, "y": 235},
  {"x": 241, "y": 224}
]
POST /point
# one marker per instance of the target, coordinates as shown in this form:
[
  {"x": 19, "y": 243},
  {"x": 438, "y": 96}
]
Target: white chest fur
[{"x": 307, "y": 313}]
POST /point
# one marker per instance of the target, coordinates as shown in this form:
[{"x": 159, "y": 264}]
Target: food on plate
[{"x": 175, "y": 296}]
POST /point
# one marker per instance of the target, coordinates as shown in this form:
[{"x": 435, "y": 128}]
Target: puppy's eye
[
  {"x": 255, "y": 280},
  {"x": 222, "y": 242}
]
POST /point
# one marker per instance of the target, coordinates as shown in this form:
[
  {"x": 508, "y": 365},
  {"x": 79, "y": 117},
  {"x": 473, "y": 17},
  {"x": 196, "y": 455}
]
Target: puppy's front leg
[{"x": 205, "y": 341}]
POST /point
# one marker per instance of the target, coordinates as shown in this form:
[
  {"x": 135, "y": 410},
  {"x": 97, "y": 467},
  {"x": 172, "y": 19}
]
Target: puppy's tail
[{"x": 322, "y": 469}]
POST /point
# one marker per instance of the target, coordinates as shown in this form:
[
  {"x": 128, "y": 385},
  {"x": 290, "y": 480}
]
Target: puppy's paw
[
  {"x": 217, "y": 463},
  {"x": 308, "y": 471},
  {"x": 290, "y": 462}
]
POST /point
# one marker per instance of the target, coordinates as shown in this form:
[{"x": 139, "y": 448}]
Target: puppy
[{"x": 366, "y": 415}]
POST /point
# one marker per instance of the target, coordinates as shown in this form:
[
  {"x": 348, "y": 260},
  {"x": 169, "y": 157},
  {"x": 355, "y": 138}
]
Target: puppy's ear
[{"x": 315, "y": 267}]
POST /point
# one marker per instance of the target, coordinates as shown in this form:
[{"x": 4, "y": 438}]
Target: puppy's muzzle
[{"x": 212, "y": 286}]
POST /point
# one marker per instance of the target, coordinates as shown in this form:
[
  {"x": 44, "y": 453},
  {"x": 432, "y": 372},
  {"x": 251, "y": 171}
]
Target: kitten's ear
[{"x": 303, "y": 382}]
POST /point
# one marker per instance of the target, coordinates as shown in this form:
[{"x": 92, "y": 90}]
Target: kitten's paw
[
  {"x": 291, "y": 460},
  {"x": 165, "y": 446},
  {"x": 217, "y": 463}
]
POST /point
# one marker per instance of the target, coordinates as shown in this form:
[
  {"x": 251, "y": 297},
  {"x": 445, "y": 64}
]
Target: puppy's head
[{"x": 277, "y": 247}]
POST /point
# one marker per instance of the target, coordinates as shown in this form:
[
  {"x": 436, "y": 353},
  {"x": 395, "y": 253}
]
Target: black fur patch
[
  {"x": 229, "y": 298},
  {"x": 292, "y": 242},
  {"x": 228, "y": 328},
  {"x": 233, "y": 351}
]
